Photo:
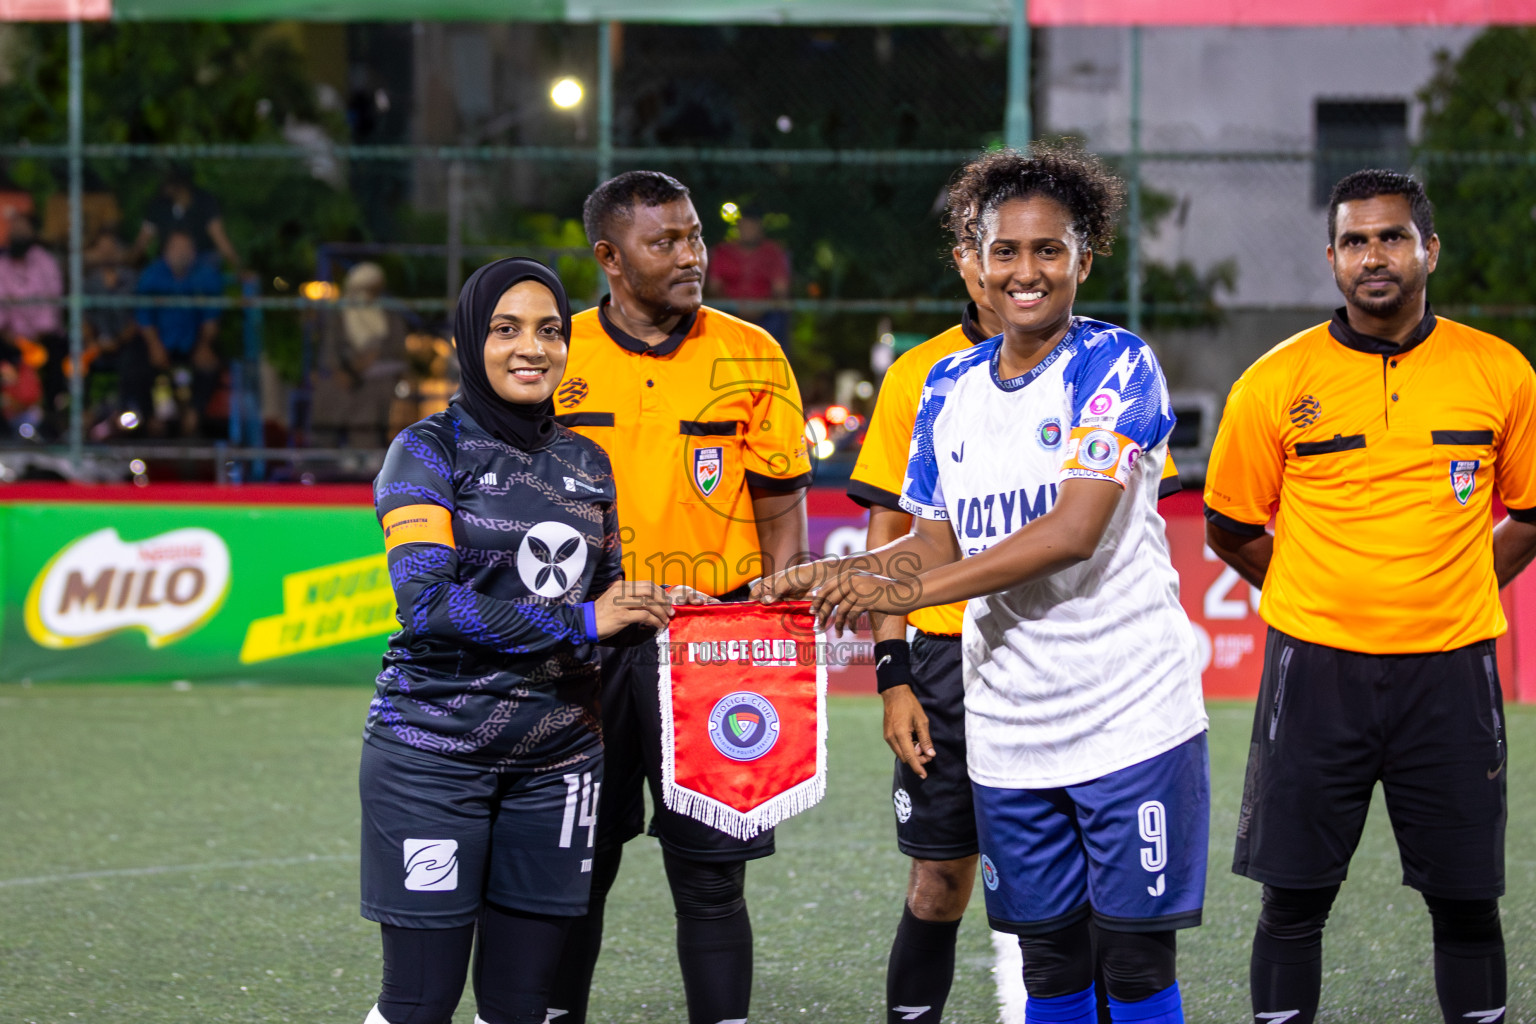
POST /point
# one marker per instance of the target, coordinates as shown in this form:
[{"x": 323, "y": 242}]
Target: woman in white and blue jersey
[{"x": 1034, "y": 473}]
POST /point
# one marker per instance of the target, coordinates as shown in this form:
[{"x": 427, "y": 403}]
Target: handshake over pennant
[{"x": 743, "y": 715}]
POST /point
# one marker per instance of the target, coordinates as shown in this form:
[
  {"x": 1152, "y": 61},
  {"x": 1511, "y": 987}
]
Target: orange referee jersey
[
  {"x": 689, "y": 425},
  {"x": 1382, "y": 462},
  {"x": 882, "y": 466}
]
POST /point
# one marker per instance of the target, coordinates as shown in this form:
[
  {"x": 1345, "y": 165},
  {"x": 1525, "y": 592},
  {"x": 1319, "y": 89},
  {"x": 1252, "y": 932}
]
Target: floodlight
[{"x": 565, "y": 93}]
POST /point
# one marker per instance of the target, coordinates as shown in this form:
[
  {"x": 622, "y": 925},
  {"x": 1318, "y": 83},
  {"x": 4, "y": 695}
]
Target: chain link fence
[{"x": 438, "y": 148}]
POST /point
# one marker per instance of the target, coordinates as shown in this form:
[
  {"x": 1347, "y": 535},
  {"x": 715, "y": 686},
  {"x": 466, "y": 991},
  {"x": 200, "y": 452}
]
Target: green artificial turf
[{"x": 188, "y": 856}]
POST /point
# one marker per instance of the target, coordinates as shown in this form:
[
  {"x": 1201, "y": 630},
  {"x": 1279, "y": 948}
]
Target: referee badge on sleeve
[{"x": 1464, "y": 478}]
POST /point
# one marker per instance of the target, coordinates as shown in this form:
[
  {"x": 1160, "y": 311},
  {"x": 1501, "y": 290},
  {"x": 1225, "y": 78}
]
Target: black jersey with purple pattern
[{"x": 493, "y": 663}]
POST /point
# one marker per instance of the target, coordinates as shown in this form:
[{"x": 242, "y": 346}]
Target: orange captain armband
[
  {"x": 418, "y": 524},
  {"x": 1095, "y": 453}
]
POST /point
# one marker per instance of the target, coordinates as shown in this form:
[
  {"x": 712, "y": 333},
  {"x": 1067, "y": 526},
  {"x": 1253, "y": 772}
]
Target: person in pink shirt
[
  {"x": 753, "y": 268},
  {"x": 28, "y": 271},
  {"x": 28, "y": 331}
]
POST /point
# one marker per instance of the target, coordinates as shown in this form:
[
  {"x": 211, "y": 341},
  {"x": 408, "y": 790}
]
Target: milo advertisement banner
[{"x": 101, "y": 590}]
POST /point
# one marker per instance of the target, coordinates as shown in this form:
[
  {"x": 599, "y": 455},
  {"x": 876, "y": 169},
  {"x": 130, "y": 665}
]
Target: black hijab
[{"x": 523, "y": 425}]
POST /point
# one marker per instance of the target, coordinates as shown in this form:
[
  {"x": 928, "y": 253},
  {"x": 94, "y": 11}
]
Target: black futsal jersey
[{"x": 495, "y": 555}]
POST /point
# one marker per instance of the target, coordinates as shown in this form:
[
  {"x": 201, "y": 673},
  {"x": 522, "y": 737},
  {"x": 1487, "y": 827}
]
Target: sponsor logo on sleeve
[
  {"x": 743, "y": 726},
  {"x": 1464, "y": 478},
  {"x": 1102, "y": 409},
  {"x": 167, "y": 586},
  {"x": 708, "y": 468}
]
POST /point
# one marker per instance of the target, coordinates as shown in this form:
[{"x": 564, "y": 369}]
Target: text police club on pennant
[{"x": 743, "y": 715}]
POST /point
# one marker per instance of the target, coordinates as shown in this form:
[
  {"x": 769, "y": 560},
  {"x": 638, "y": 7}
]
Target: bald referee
[
  {"x": 700, "y": 415},
  {"x": 1377, "y": 442}
]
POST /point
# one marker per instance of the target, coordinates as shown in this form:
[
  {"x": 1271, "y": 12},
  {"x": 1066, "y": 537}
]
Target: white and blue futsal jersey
[{"x": 1094, "y": 668}]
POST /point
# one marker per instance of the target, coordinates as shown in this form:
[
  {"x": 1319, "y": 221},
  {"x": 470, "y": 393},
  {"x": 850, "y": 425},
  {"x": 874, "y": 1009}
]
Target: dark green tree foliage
[
  {"x": 1171, "y": 296},
  {"x": 187, "y": 83},
  {"x": 1479, "y": 162}
]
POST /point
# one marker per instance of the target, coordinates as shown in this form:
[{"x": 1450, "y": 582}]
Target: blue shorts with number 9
[{"x": 1128, "y": 848}]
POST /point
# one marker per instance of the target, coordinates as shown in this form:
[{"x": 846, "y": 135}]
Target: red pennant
[{"x": 743, "y": 715}]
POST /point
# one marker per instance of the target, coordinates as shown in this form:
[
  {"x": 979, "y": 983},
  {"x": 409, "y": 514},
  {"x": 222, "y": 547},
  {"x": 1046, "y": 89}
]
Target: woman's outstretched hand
[
  {"x": 796, "y": 581},
  {"x": 631, "y": 603}
]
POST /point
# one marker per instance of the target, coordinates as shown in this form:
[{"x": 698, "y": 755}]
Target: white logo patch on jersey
[
  {"x": 903, "y": 801},
  {"x": 1103, "y": 409},
  {"x": 551, "y": 558},
  {"x": 488, "y": 480},
  {"x": 431, "y": 865}
]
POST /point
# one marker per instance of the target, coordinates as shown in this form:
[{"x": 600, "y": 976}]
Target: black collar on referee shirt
[
  {"x": 633, "y": 344},
  {"x": 1351, "y": 338},
  {"x": 969, "y": 327}
]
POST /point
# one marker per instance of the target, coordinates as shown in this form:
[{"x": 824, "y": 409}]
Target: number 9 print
[{"x": 1152, "y": 823}]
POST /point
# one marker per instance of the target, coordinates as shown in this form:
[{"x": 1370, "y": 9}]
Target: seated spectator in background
[
  {"x": 180, "y": 340},
  {"x": 361, "y": 358},
  {"x": 100, "y": 213},
  {"x": 32, "y": 344},
  {"x": 13, "y": 199},
  {"x": 754, "y": 268},
  {"x": 112, "y": 335},
  {"x": 181, "y": 206}
]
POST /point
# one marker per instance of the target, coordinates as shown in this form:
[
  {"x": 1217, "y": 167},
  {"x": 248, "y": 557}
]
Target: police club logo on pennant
[
  {"x": 743, "y": 726},
  {"x": 1464, "y": 478},
  {"x": 743, "y": 715},
  {"x": 708, "y": 464}
]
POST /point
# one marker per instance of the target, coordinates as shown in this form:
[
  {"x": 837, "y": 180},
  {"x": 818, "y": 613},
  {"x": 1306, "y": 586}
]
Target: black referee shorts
[
  {"x": 631, "y": 710},
  {"x": 1330, "y": 723},
  {"x": 936, "y": 816}
]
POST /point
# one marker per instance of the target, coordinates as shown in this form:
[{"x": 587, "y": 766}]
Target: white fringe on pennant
[{"x": 706, "y": 809}]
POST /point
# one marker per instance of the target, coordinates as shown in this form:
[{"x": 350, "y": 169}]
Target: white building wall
[{"x": 1234, "y": 90}]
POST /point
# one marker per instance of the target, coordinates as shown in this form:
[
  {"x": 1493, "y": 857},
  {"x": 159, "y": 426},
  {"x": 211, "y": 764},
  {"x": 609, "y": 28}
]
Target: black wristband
[{"x": 893, "y": 664}]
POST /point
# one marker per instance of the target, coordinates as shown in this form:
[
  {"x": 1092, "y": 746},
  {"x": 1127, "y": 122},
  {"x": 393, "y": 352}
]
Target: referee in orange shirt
[
  {"x": 700, "y": 415},
  {"x": 1376, "y": 441}
]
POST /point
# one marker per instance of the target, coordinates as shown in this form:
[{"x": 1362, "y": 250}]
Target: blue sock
[
  {"x": 1077, "y": 1008},
  {"x": 1164, "y": 1008}
]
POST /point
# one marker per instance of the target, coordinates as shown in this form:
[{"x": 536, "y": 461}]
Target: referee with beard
[
  {"x": 700, "y": 414},
  {"x": 1377, "y": 441}
]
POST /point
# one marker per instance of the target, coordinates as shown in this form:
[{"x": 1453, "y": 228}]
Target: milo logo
[{"x": 166, "y": 586}]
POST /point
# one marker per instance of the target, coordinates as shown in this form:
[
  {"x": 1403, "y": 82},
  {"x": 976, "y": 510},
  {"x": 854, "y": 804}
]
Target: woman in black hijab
[{"x": 482, "y": 755}]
